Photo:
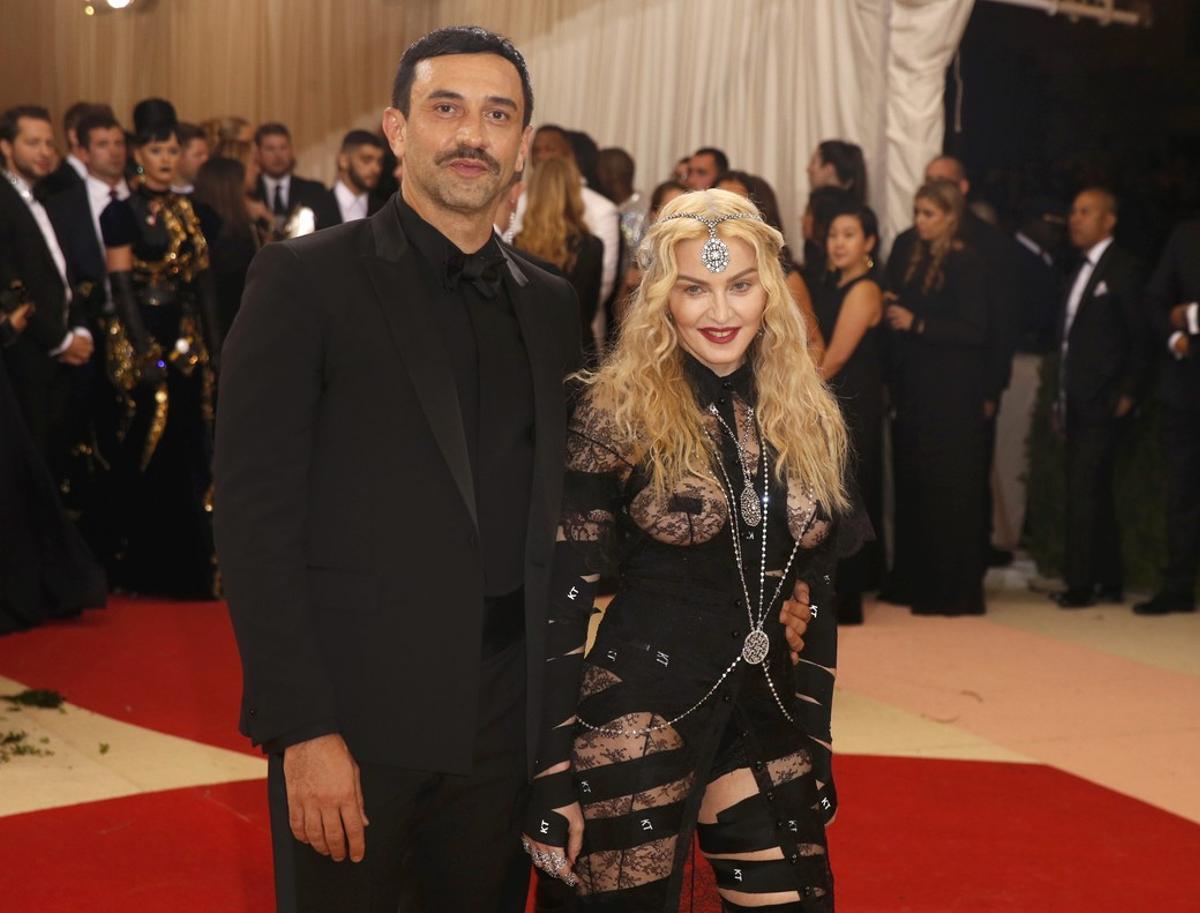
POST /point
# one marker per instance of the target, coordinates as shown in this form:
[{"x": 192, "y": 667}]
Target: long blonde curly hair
[
  {"x": 642, "y": 384},
  {"x": 553, "y": 219}
]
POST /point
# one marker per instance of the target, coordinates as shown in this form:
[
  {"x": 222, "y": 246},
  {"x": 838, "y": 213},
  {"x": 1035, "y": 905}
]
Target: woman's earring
[
  {"x": 870, "y": 263},
  {"x": 762, "y": 331}
]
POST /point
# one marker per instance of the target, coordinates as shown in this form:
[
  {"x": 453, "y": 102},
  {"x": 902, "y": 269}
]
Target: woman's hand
[
  {"x": 899, "y": 318},
  {"x": 552, "y": 859}
]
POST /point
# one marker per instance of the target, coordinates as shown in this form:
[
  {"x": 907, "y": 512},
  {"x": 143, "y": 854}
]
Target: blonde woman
[
  {"x": 554, "y": 230},
  {"x": 706, "y": 466}
]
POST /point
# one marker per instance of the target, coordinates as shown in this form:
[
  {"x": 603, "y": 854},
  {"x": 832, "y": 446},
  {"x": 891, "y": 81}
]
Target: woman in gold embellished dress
[
  {"x": 706, "y": 467},
  {"x": 161, "y": 354}
]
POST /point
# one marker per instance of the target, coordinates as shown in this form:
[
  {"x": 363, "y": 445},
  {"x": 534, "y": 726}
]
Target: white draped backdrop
[{"x": 764, "y": 79}]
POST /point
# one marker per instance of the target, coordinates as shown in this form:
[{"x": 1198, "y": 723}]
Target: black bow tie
[{"x": 481, "y": 269}]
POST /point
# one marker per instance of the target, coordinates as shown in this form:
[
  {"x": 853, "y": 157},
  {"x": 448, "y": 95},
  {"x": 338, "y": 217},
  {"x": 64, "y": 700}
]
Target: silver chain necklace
[
  {"x": 752, "y": 513},
  {"x": 757, "y": 643}
]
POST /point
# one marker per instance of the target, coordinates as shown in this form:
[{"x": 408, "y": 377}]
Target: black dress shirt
[{"x": 495, "y": 389}]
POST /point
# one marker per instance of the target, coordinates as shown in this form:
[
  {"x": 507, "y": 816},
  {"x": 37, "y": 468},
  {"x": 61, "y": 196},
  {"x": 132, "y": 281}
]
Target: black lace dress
[{"x": 666, "y": 659}]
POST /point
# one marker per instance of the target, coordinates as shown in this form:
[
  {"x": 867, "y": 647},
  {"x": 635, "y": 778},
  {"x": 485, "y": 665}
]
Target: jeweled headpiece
[{"x": 715, "y": 252}]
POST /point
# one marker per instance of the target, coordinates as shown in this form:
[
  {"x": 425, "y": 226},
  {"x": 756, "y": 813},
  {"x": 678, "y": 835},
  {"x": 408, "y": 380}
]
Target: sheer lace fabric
[{"x": 676, "y": 624}]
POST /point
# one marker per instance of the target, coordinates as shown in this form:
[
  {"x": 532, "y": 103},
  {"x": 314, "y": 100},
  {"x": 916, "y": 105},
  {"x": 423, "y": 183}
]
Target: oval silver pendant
[
  {"x": 756, "y": 647},
  {"x": 751, "y": 511},
  {"x": 715, "y": 255}
]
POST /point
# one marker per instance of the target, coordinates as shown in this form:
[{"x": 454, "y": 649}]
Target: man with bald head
[{"x": 1103, "y": 357}]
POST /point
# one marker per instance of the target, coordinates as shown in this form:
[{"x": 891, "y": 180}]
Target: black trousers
[
  {"x": 436, "y": 842},
  {"x": 1093, "y": 544},
  {"x": 1181, "y": 451}
]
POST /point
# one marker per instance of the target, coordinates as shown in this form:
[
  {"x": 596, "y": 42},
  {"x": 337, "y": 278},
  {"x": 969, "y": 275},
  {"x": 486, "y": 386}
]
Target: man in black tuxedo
[
  {"x": 71, "y": 171},
  {"x": 1173, "y": 296},
  {"x": 282, "y": 191},
  {"x": 1102, "y": 368},
  {"x": 56, "y": 340},
  {"x": 360, "y": 166},
  {"x": 389, "y": 460}
]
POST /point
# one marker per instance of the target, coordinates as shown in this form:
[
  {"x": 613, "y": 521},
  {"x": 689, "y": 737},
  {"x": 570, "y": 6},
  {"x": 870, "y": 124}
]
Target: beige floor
[{"x": 1099, "y": 693}]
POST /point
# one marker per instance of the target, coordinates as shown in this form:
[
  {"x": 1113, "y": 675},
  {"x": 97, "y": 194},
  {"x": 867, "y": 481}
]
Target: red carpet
[{"x": 913, "y": 836}]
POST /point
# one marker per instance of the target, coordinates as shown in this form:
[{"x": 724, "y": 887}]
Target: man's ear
[
  {"x": 523, "y": 152},
  {"x": 395, "y": 126}
]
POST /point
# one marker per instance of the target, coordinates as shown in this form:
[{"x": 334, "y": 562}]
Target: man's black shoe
[
  {"x": 1076, "y": 598},
  {"x": 1163, "y": 604},
  {"x": 1113, "y": 594}
]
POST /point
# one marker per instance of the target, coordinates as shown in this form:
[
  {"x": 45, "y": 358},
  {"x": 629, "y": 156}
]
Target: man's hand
[
  {"x": 19, "y": 319},
  {"x": 1179, "y": 316},
  {"x": 324, "y": 795},
  {"x": 78, "y": 352},
  {"x": 1182, "y": 347},
  {"x": 795, "y": 615},
  {"x": 1124, "y": 406}
]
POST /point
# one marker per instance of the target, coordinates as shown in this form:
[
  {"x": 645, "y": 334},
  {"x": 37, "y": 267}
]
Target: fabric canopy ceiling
[{"x": 764, "y": 79}]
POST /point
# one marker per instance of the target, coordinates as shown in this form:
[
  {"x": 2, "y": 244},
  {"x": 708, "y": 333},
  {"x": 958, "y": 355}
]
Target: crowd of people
[{"x": 123, "y": 264}]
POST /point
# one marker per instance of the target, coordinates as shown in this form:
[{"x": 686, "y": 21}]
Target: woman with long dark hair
[
  {"x": 706, "y": 466},
  {"x": 849, "y": 305},
  {"x": 938, "y": 322},
  {"x": 163, "y": 349},
  {"x": 221, "y": 186}
]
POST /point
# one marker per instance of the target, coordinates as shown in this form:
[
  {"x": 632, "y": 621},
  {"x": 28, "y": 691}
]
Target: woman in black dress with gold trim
[{"x": 162, "y": 350}]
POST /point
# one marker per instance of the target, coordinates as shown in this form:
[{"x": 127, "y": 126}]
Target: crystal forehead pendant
[{"x": 715, "y": 252}]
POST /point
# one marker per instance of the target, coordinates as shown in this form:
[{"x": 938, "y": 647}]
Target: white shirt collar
[
  {"x": 80, "y": 167},
  {"x": 21, "y": 186},
  {"x": 1096, "y": 251},
  {"x": 98, "y": 189}
]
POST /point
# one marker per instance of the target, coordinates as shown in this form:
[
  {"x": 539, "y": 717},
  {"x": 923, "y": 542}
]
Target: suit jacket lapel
[
  {"x": 545, "y": 367},
  {"x": 401, "y": 294}
]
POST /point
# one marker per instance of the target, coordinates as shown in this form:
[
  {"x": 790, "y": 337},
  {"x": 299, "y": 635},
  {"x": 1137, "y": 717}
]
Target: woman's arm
[{"x": 862, "y": 309}]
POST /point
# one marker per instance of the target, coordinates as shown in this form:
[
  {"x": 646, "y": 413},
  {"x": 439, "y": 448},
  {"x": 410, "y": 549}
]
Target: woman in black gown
[
  {"x": 849, "y": 306},
  {"x": 706, "y": 467},
  {"x": 938, "y": 325},
  {"x": 162, "y": 356},
  {"x": 46, "y": 570}
]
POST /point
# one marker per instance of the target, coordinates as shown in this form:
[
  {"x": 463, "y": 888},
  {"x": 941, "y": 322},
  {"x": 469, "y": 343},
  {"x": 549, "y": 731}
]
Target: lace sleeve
[{"x": 597, "y": 471}]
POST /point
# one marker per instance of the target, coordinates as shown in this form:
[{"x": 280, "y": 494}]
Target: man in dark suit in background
[
  {"x": 389, "y": 466},
  {"x": 1103, "y": 364},
  {"x": 72, "y": 170},
  {"x": 282, "y": 191},
  {"x": 360, "y": 165},
  {"x": 1173, "y": 297},
  {"x": 56, "y": 340}
]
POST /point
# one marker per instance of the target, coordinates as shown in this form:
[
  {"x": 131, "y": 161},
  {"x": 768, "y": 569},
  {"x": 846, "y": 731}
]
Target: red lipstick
[{"x": 720, "y": 335}]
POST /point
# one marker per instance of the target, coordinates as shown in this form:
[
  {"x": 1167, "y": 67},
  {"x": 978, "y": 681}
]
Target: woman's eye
[
  {"x": 694, "y": 290},
  {"x": 742, "y": 286}
]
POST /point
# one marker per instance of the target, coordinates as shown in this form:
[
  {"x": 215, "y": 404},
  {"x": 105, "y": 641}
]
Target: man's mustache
[{"x": 466, "y": 152}]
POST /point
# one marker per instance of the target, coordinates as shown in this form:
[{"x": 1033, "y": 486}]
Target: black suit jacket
[
  {"x": 303, "y": 192},
  {"x": 71, "y": 212},
  {"x": 998, "y": 255},
  {"x": 375, "y": 202},
  {"x": 60, "y": 180},
  {"x": 1176, "y": 280},
  {"x": 345, "y": 504},
  {"x": 1106, "y": 347}
]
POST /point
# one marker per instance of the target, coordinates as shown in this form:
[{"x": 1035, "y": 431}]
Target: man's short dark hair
[
  {"x": 356, "y": 138},
  {"x": 458, "y": 39},
  {"x": 719, "y": 157},
  {"x": 96, "y": 119},
  {"x": 272, "y": 128},
  {"x": 74, "y": 114},
  {"x": 10, "y": 121},
  {"x": 188, "y": 132}
]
